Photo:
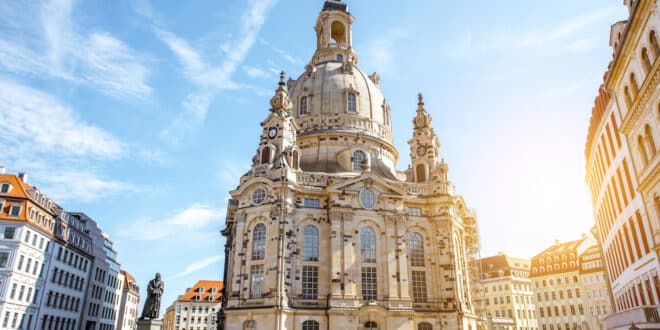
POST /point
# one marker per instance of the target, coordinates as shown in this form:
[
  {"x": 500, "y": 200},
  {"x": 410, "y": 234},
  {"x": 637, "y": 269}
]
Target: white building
[
  {"x": 129, "y": 301},
  {"x": 196, "y": 309}
]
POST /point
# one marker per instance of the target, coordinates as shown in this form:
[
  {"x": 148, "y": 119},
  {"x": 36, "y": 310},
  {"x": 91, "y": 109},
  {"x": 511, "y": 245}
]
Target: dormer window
[
  {"x": 5, "y": 188},
  {"x": 200, "y": 289},
  {"x": 15, "y": 210},
  {"x": 359, "y": 157},
  {"x": 351, "y": 103},
  {"x": 303, "y": 105}
]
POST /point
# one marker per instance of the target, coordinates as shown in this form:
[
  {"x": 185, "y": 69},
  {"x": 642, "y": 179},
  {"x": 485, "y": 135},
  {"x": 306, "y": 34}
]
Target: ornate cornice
[{"x": 642, "y": 100}]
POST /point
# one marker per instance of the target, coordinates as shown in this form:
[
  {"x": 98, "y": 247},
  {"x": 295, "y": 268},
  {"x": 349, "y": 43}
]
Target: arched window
[
  {"x": 358, "y": 158},
  {"x": 310, "y": 325},
  {"x": 340, "y": 58},
  {"x": 338, "y": 32},
  {"x": 641, "y": 149},
  {"x": 295, "y": 162},
  {"x": 646, "y": 62},
  {"x": 655, "y": 48},
  {"x": 649, "y": 141},
  {"x": 626, "y": 93},
  {"x": 265, "y": 155},
  {"x": 421, "y": 173},
  {"x": 416, "y": 249},
  {"x": 259, "y": 242},
  {"x": 351, "y": 102},
  {"x": 303, "y": 105},
  {"x": 633, "y": 84},
  {"x": 310, "y": 244},
  {"x": 368, "y": 245},
  {"x": 424, "y": 326},
  {"x": 370, "y": 325},
  {"x": 250, "y": 325}
]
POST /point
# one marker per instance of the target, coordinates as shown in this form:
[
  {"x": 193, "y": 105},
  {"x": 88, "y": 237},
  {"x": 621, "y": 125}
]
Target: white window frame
[
  {"x": 3, "y": 185},
  {"x": 11, "y": 208}
]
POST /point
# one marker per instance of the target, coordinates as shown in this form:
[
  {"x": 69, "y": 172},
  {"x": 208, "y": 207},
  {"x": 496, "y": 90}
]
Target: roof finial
[
  {"x": 420, "y": 99},
  {"x": 282, "y": 76}
]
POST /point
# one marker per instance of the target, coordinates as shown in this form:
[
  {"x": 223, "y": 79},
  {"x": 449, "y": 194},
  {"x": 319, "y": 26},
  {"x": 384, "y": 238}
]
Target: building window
[
  {"x": 421, "y": 172},
  {"x": 310, "y": 325},
  {"x": 312, "y": 203},
  {"x": 10, "y": 232},
  {"x": 4, "y": 259},
  {"x": 359, "y": 157},
  {"x": 5, "y": 187},
  {"x": 415, "y": 211},
  {"x": 368, "y": 245},
  {"x": 251, "y": 325},
  {"x": 256, "y": 280},
  {"x": 15, "y": 210},
  {"x": 424, "y": 326},
  {"x": 351, "y": 102},
  {"x": 259, "y": 242},
  {"x": 265, "y": 155},
  {"x": 340, "y": 58},
  {"x": 303, "y": 105},
  {"x": 419, "y": 286},
  {"x": 310, "y": 280},
  {"x": 369, "y": 286},
  {"x": 310, "y": 244},
  {"x": 367, "y": 198},
  {"x": 259, "y": 196},
  {"x": 370, "y": 325},
  {"x": 416, "y": 249}
]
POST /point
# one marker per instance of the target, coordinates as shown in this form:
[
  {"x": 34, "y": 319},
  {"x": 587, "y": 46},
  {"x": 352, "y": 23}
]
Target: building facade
[
  {"x": 129, "y": 301},
  {"x": 196, "y": 309},
  {"x": 596, "y": 292},
  {"x": 323, "y": 232},
  {"x": 508, "y": 298},
  {"x": 623, "y": 167}
]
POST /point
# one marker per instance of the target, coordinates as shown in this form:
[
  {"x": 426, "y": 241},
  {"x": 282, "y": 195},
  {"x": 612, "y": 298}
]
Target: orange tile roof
[
  {"x": 207, "y": 286},
  {"x": 566, "y": 254},
  {"x": 128, "y": 279}
]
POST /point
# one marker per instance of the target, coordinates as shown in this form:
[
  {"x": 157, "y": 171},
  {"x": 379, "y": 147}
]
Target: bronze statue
[{"x": 151, "y": 308}]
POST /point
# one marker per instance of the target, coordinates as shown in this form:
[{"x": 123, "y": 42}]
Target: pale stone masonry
[
  {"x": 623, "y": 167},
  {"x": 323, "y": 232}
]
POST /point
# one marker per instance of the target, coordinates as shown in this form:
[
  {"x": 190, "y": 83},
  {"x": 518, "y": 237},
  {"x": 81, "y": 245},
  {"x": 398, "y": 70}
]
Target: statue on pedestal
[{"x": 151, "y": 308}]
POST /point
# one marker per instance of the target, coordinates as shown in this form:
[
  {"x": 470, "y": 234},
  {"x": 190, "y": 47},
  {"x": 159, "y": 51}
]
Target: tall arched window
[
  {"x": 649, "y": 141},
  {"x": 626, "y": 94},
  {"x": 646, "y": 62},
  {"x": 310, "y": 244},
  {"x": 303, "y": 105},
  {"x": 370, "y": 325},
  {"x": 421, "y": 173},
  {"x": 259, "y": 242},
  {"x": 358, "y": 158},
  {"x": 265, "y": 155},
  {"x": 310, "y": 325},
  {"x": 634, "y": 85},
  {"x": 641, "y": 149},
  {"x": 250, "y": 325},
  {"x": 368, "y": 245},
  {"x": 655, "y": 48},
  {"x": 416, "y": 249},
  {"x": 351, "y": 102},
  {"x": 338, "y": 32},
  {"x": 424, "y": 326}
]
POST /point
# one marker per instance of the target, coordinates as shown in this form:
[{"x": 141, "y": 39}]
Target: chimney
[
  {"x": 23, "y": 176},
  {"x": 2, "y": 169}
]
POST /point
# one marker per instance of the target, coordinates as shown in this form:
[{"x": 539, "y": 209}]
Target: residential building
[
  {"x": 27, "y": 223},
  {"x": 596, "y": 293},
  {"x": 196, "y": 309},
  {"x": 103, "y": 292},
  {"x": 323, "y": 231},
  {"x": 508, "y": 299},
  {"x": 129, "y": 301},
  {"x": 623, "y": 167},
  {"x": 68, "y": 273}
]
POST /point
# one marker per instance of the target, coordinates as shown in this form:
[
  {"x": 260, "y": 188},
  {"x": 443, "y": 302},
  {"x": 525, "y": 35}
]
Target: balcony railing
[{"x": 649, "y": 316}]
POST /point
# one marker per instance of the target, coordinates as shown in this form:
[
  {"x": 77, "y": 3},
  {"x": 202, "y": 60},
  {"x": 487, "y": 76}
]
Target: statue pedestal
[{"x": 149, "y": 324}]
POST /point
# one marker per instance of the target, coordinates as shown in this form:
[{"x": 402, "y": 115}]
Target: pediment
[{"x": 368, "y": 180}]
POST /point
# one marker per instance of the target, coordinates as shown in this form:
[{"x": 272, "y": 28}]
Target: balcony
[{"x": 642, "y": 317}]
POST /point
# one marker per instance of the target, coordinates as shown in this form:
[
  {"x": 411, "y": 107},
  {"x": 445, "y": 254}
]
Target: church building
[{"x": 323, "y": 231}]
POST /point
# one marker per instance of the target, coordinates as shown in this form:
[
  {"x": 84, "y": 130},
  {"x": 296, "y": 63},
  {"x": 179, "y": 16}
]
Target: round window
[
  {"x": 258, "y": 196},
  {"x": 367, "y": 198}
]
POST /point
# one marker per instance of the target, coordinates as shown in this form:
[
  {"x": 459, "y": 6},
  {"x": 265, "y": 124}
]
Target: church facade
[{"x": 323, "y": 232}]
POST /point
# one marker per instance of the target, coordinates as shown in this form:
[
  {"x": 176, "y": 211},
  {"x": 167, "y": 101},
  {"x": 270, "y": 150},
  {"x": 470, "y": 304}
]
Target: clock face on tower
[
  {"x": 272, "y": 132},
  {"x": 421, "y": 151}
]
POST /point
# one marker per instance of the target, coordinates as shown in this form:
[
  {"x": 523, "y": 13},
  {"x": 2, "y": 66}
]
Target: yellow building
[
  {"x": 506, "y": 293},
  {"x": 323, "y": 232},
  {"x": 623, "y": 167},
  {"x": 196, "y": 309}
]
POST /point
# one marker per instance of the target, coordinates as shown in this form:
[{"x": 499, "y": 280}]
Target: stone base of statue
[{"x": 149, "y": 324}]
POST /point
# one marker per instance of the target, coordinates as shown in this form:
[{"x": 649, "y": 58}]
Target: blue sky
[{"x": 145, "y": 114}]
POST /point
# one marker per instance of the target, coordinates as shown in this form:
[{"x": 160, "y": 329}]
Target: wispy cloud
[
  {"x": 199, "y": 265},
  {"x": 285, "y": 55},
  {"x": 193, "y": 219},
  {"x": 81, "y": 186},
  {"x": 58, "y": 48},
  {"x": 39, "y": 121},
  {"x": 207, "y": 77},
  {"x": 379, "y": 52},
  {"x": 256, "y": 72}
]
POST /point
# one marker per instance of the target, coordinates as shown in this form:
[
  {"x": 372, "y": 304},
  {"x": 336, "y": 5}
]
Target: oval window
[
  {"x": 258, "y": 196},
  {"x": 367, "y": 198}
]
